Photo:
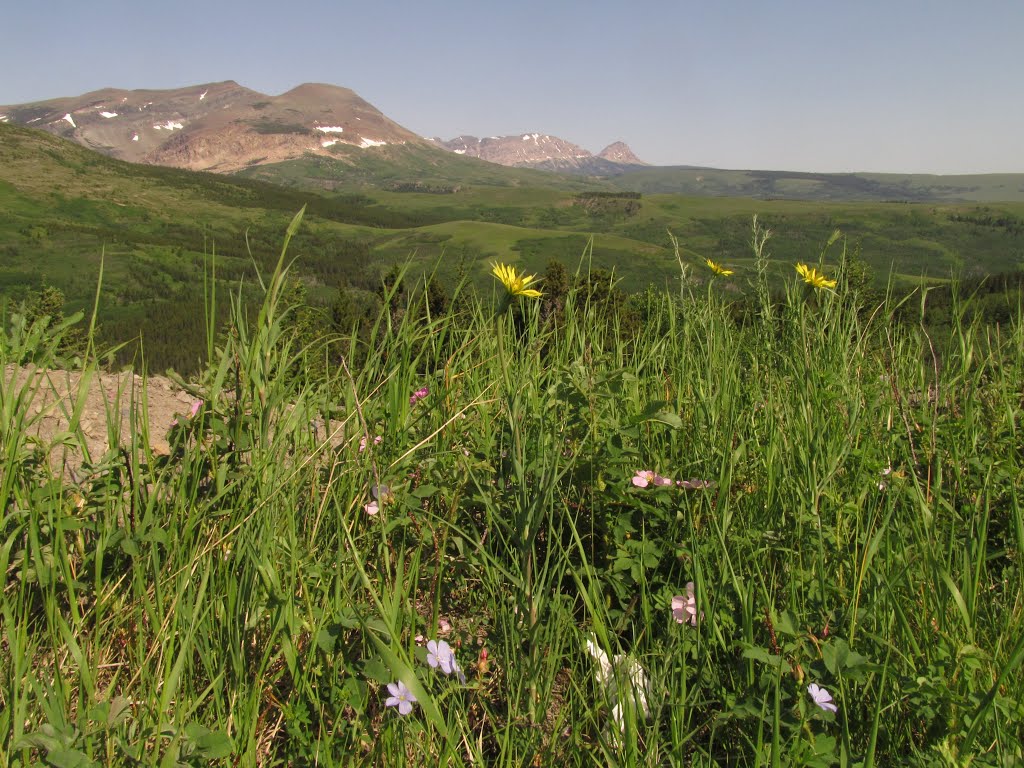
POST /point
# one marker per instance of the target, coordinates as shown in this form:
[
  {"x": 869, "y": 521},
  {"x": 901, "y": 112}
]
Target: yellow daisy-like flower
[
  {"x": 515, "y": 284},
  {"x": 718, "y": 269},
  {"x": 813, "y": 277}
]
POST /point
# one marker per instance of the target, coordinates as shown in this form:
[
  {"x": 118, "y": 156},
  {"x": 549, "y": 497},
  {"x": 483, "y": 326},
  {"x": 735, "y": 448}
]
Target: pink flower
[
  {"x": 684, "y": 607},
  {"x": 418, "y": 395},
  {"x": 195, "y": 408},
  {"x": 643, "y": 478},
  {"x": 362, "y": 442},
  {"x": 372, "y": 508},
  {"x": 694, "y": 484}
]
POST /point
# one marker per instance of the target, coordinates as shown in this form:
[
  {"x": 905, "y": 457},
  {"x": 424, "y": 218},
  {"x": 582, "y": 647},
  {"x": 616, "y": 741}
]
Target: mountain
[
  {"x": 324, "y": 137},
  {"x": 543, "y": 152},
  {"x": 221, "y": 127}
]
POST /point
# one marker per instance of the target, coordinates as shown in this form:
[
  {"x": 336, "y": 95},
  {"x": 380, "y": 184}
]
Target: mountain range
[
  {"x": 543, "y": 152},
  {"x": 225, "y": 127},
  {"x": 326, "y": 137}
]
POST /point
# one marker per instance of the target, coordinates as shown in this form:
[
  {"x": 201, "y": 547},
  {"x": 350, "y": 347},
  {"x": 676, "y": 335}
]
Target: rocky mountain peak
[{"x": 619, "y": 152}]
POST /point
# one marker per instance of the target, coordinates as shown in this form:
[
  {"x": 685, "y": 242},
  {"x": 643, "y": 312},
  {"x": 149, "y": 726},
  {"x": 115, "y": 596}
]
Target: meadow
[
  {"x": 156, "y": 230},
  {"x": 506, "y": 536}
]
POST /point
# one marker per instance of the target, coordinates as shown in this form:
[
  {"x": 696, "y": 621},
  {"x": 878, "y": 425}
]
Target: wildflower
[
  {"x": 621, "y": 673},
  {"x": 812, "y": 276},
  {"x": 684, "y": 607},
  {"x": 884, "y": 482},
  {"x": 195, "y": 409},
  {"x": 372, "y": 508},
  {"x": 515, "y": 284},
  {"x": 382, "y": 493},
  {"x": 362, "y": 442},
  {"x": 418, "y": 395},
  {"x": 643, "y": 478},
  {"x": 718, "y": 269},
  {"x": 821, "y": 697},
  {"x": 443, "y": 626},
  {"x": 440, "y": 656},
  {"x": 400, "y": 697},
  {"x": 695, "y": 484}
]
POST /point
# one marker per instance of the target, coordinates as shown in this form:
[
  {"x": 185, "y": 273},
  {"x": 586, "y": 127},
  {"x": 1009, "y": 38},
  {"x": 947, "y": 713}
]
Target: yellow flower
[
  {"x": 515, "y": 284},
  {"x": 718, "y": 269},
  {"x": 813, "y": 277}
]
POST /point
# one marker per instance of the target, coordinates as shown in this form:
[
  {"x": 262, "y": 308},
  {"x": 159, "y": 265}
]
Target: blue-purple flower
[
  {"x": 821, "y": 697},
  {"x": 400, "y": 697},
  {"x": 440, "y": 656}
]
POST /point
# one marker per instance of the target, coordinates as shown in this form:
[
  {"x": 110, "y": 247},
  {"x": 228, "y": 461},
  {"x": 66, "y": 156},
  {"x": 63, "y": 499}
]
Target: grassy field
[{"x": 508, "y": 540}]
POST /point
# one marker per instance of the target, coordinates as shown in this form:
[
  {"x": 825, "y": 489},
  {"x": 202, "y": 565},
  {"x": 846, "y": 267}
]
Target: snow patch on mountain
[
  {"x": 108, "y": 115},
  {"x": 69, "y": 119},
  {"x": 330, "y": 128},
  {"x": 365, "y": 142},
  {"x": 170, "y": 125}
]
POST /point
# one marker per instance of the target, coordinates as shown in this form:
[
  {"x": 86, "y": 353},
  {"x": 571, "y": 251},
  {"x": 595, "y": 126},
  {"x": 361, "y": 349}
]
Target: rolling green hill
[{"x": 824, "y": 187}]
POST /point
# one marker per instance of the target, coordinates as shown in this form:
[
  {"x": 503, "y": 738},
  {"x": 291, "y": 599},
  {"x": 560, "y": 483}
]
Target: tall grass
[{"x": 851, "y": 518}]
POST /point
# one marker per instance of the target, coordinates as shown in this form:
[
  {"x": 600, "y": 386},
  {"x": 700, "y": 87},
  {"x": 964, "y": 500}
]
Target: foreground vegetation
[{"x": 788, "y": 538}]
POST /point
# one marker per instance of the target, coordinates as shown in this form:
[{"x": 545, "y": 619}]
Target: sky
[{"x": 901, "y": 86}]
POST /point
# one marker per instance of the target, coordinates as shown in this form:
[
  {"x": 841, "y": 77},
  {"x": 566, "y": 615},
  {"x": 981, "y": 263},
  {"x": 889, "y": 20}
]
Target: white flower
[{"x": 625, "y": 683}]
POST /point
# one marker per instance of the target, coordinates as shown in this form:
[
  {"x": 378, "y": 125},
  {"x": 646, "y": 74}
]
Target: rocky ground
[{"x": 49, "y": 401}]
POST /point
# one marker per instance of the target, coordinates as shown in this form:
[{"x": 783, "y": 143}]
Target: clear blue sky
[{"x": 931, "y": 86}]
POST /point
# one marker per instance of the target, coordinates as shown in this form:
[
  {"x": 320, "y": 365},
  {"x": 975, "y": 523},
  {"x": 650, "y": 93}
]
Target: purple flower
[
  {"x": 690, "y": 485},
  {"x": 400, "y": 697},
  {"x": 821, "y": 697},
  {"x": 662, "y": 481},
  {"x": 439, "y": 654},
  {"x": 684, "y": 607}
]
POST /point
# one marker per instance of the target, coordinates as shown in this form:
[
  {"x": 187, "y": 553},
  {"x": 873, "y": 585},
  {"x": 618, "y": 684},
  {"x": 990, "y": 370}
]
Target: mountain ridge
[{"x": 544, "y": 152}]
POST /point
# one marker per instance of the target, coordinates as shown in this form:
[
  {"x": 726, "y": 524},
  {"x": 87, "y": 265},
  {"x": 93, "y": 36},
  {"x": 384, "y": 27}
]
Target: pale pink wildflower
[{"x": 684, "y": 607}]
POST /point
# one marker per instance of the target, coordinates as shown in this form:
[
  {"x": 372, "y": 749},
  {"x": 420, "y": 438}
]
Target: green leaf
[
  {"x": 659, "y": 411},
  {"x": 69, "y": 758},
  {"x": 425, "y": 491},
  {"x": 375, "y": 669}
]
